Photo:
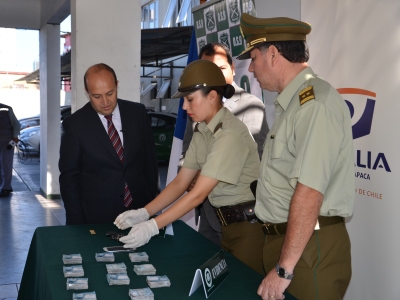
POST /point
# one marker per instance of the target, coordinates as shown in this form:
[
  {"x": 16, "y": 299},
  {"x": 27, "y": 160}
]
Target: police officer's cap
[
  {"x": 260, "y": 30},
  {"x": 199, "y": 74}
]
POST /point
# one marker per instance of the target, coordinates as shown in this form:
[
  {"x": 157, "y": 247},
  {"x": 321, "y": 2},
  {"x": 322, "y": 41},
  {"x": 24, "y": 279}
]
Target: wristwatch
[{"x": 282, "y": 273}]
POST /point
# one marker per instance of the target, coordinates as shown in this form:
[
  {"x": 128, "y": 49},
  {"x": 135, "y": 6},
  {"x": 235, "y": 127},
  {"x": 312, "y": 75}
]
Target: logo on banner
[
  {"x": 361, "y": 104},
  {"x": 224, "y": 39},
  {"x": 363, "y": 125},
  {"x": 233, "y": 11},
  {"x": 210, "y": 22}
]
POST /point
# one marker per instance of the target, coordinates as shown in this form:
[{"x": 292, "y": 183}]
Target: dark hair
[
  {"x": 97, "y": 68},
  {"x": 293, "y": 51},
  {"x": 210, "y": 49},
  {"x": 226, "y": 91}
]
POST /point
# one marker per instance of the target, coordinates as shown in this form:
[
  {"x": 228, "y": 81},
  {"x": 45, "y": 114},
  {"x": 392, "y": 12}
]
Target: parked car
[
  {"x": 65, "y": 111},
  {"x": 30, "y": 139},
  {"x": 163, "y": 126}
]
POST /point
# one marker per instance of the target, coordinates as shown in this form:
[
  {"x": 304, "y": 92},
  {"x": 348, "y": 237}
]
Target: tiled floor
[{"x": 20, "y": 214}]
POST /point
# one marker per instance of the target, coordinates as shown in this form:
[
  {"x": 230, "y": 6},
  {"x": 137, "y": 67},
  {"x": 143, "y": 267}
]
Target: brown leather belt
[
  {"x": 280, "y": 229},
  {"x": 237, "y": 213}
]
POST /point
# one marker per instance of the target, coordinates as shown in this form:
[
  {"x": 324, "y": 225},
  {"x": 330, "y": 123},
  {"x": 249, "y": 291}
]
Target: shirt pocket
[{"x": 278, "y": 166}]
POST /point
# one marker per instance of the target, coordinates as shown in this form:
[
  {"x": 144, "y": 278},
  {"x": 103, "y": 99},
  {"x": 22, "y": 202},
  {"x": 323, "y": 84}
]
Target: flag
[{"x": 178, "y": 136}]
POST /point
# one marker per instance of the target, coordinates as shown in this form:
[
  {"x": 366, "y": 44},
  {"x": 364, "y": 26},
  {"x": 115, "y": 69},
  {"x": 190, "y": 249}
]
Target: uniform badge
[{"x": 306, "y": 95}]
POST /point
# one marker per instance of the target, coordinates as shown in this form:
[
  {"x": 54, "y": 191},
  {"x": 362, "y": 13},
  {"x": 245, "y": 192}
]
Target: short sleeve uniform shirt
[
  {"x": 224, "y": 150},
  {"x": 310, "y": 142}
]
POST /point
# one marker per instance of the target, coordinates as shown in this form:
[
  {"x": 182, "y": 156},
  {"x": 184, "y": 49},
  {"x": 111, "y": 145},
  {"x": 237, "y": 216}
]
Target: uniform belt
[
  {"x": 237, "y": 213},
  {"x": 280, "y": 228}
]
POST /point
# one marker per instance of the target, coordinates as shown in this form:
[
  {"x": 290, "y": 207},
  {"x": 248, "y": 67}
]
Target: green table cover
[{"x": 176, "y": 256}]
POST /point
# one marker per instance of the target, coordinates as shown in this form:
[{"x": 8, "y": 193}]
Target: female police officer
[{"x": 225, "y": 152}]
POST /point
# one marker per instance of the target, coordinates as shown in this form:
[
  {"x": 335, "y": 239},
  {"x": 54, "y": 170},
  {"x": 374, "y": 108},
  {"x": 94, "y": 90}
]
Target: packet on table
[
  {"x": 158, "y": 281},
  {"x": 141, "y": 294},
  {"x": 73, "y": 271},
  {"x": 138, "y": 257},
  {"x": 116, "y": 268},
  {"x": 118, "y": 279},
  {"x": 84, "y": 296},
  {"x": 77, "y": 284},
  {"x": 71, "y": 259},
  {"x": 105, "y": 256}
]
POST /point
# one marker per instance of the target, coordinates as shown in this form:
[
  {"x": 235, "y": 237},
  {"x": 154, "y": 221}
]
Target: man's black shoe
[{"x": 5, "y": 193}]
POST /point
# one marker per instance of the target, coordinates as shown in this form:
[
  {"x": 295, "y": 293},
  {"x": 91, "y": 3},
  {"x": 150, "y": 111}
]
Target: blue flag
[{"x": 180, "y": 132}]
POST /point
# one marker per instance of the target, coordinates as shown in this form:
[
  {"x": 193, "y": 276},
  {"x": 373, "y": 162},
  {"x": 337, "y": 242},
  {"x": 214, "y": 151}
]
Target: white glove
[
  {"x": 131, "y": 217},
  {"x": 140, "y": 234}
]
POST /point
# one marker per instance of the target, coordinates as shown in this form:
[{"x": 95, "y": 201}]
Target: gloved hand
[
  {"x": 140, "y": 234},
  {"x": 131, "y": 217}
]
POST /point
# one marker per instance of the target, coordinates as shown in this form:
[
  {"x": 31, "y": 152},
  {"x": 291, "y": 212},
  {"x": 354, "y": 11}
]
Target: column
[
  {"x": 49, "y": 37},
  {"x": 105, "y": 31}
]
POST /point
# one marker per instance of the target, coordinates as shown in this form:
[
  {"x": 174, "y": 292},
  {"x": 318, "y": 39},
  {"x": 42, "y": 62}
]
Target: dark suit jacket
[{"x": 92, "y": 177}]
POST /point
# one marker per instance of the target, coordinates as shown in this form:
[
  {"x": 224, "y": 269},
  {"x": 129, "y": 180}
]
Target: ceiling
[{"x": 157, "y": 45}]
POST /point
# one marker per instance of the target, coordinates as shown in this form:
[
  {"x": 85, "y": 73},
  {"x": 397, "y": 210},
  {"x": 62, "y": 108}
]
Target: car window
[
  {"x": 157, "y": 122},
  {"x": 65, "y": 113}
]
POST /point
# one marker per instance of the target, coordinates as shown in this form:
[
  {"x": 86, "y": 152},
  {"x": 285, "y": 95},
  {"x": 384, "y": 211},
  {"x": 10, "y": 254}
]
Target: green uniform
[
  {"x": 228, "y": 154},
  {"x": 224, "y": 150},
  {"x": 310, "y": 142}
]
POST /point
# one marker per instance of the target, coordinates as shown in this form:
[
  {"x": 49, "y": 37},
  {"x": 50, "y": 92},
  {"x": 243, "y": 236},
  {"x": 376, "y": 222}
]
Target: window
[{"x": 150, "y": 15}]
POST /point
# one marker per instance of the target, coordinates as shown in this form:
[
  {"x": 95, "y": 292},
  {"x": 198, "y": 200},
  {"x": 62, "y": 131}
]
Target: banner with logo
[
  {"x": 219, "y": 21},
  {"x": 359, "y": 55}
]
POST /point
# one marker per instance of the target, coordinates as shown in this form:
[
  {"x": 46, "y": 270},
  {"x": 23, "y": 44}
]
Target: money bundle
[
  {"x": 84, "y": 296},
  {"x": 116, "y": 268},
  {"x": 73, "y": 271},
  {"x": 77, "y": 284},
  {"x": 105, "y": 256},
  {"x": 138, "y": 257},
  {"x": 141, "y": 294},
  {"x": 72, "y": 259},
  {"x": 118, "y": 279},
  {"x": 158, "y": 281},
  {"x": 146, "y": 269}
]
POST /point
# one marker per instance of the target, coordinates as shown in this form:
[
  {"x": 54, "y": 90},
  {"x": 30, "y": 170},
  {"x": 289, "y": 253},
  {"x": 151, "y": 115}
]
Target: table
[{"x": 176, "y": 256}]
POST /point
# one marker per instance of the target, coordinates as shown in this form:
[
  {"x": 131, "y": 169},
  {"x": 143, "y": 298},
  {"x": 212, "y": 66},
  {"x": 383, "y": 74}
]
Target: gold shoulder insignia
[{"x": 306, "y": 95}]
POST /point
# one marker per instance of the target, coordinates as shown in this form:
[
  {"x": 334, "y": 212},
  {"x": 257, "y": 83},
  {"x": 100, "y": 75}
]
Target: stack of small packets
[
  {"x": 118, "y": 279},
  {"x": 72, "y": 259},
  {"x": 73, "y": 271},
  {"x": 116, "y": 268},
  {"x": 105, "y": 256},
  {"x": 141, "y": 294},
  {"x": 138, "y": 257},
  {"x": 158, "y": 281},
  {"x": 84, "y": 296},
  {"x": 77, "y": 284},
  {"x": 146, "y": 269},
  {"x": 117, "y": 274}
]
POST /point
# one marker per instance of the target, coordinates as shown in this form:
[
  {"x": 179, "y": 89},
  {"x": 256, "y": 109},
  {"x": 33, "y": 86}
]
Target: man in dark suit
[
  {"x": 247, "y": 108},
  {"x": 107, "y": 165}
]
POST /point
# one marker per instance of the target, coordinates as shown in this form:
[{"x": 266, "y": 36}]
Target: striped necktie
[{"x": 116, "y": 142}]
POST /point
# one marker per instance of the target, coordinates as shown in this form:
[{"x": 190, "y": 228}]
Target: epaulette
[
  {"x": 217, "y": 127},
  {"x": 306, "y": 94}
]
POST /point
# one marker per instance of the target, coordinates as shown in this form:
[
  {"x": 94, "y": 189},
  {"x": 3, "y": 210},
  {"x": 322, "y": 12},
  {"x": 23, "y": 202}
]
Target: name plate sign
[{"x": 211, "y": 274}]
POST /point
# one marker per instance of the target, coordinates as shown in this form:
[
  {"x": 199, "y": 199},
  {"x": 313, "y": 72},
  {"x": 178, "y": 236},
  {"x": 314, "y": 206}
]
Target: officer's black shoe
[{"x": 5, "y": 193}]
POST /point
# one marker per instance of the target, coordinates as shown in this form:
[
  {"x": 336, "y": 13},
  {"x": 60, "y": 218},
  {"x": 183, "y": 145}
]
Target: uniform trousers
[
  {"x": 6, "y": 163},
  {"x": 324, "y": 269},
  {"x": 245, "y": 241}
]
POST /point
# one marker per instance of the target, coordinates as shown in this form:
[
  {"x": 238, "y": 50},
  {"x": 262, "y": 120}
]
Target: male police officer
[
  {"x": 306, "y": 183},
  {"x": 9, "y": 131}
]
